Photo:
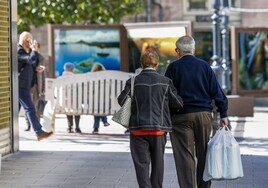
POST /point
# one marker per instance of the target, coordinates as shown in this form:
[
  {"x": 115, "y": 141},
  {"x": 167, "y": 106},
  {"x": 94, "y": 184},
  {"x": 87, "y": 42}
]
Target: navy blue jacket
[
  {"x": 197, "y": 85},
  {"x": 154, "y": 98},
  {"x": 27, "y": 62}
]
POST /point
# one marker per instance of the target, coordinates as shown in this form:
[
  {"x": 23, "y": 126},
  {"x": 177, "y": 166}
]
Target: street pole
[
  {"x": 216, "y": 60},
  {"x": 216, "y": 64},
  {"x": 226, "y": 85},
  {"x": 149, "y": 11}
]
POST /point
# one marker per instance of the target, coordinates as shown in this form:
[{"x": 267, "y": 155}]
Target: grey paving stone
[{"x": 104, "y": 161}]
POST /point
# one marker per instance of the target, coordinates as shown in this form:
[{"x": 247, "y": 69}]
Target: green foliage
[{"x": 37, "y": 13}]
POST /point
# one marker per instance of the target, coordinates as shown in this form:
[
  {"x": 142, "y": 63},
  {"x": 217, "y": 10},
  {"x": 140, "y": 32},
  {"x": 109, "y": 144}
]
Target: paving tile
[{"x": 104, "y": 161}]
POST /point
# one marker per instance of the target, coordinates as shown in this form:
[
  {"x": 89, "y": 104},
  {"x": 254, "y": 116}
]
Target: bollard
[{"x": 0, "y": 162}]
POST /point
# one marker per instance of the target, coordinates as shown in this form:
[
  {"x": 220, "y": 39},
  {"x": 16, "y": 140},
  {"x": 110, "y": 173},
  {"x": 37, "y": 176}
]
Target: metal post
[
  {"x": 149, "y": 11},
  {"x": 161, "y": 12},
  {"x": 226, "y": 85},
  {"x": 216, "y": 65},
  {"x": 220, "y": 67}
]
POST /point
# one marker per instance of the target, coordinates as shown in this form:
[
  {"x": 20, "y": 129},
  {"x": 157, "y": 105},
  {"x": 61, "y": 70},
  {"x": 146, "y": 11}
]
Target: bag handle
[
  {"x": 224, "y": 128},
  {"x": 132, "y": 86}
]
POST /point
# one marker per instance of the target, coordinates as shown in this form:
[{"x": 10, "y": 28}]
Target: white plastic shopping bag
[
  {"x": 223, "y": 160},
  {"x": 48, "y": 118}
]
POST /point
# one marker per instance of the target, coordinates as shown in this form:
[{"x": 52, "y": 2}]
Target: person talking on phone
[{"x": 28, "y": 63}]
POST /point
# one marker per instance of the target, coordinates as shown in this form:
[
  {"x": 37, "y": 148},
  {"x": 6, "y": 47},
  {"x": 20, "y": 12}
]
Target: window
[{"x": 197, "y": 4}]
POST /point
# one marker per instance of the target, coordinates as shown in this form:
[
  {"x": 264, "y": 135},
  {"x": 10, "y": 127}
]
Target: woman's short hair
[
  {"x": 149, "y": 58},
  {"x": 186, "y": 44},
  {"x": 68, "y": 67},
  {"x": 97, "y": 67}
]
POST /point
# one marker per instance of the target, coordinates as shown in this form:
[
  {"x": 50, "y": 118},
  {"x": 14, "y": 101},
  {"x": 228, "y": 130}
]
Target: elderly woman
[
  {"x": 69, "y": 71},
  {"x": 99, "y": 67},
  {"x": 154, "y": 99}
]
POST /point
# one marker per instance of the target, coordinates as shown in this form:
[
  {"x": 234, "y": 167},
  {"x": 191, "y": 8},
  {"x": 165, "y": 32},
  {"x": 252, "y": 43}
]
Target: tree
[{"x": 37, "y": 13}]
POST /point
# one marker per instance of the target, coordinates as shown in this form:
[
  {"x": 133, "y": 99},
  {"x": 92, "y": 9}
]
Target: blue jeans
[
  {"x": 25, "y": 100},
  {"x": 97, "y": 121}
]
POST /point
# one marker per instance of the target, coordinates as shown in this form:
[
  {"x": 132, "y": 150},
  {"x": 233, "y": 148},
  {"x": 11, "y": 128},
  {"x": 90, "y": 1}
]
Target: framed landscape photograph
[
  {"x": 204, "y": 43},
  {"x": 249, "y": 61},
  {"x": 84, "y": 46},
  {"x": 161, "y": 35}
]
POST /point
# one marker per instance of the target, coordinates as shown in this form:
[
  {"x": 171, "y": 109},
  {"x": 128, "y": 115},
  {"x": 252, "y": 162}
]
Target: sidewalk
[{"x": 103, "y": 161}]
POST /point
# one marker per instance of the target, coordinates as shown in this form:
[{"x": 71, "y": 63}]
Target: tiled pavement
[{"x": 103, "y": 161}]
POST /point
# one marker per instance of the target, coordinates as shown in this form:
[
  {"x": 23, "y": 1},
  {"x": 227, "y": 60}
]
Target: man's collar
[{"x": 186, "y": 55}]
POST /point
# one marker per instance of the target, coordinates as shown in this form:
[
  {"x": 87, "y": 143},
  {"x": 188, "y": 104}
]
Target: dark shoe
[
  {"x": 44, "y": 135},
  {"x": 106, "y": 124},
  {"x": 70, "y": 130},
  {"x": 127, "y": 132},
  {"x": 95, "y": 131},
  {"x": 78, "y": 130},
  {"x": 28, "y": 128}
]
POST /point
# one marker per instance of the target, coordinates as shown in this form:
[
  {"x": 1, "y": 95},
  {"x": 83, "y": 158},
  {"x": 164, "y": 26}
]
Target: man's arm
[{"x": 24, "y": 57}]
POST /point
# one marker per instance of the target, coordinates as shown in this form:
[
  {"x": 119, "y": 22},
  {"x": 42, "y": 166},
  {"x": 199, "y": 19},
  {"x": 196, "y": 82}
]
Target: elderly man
[
  {"x": 197, "y": 85},
  {"x": 27, "y": 65}
]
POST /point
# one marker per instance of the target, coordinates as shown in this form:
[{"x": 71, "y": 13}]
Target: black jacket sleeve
[{"x": 27, "y": 58}]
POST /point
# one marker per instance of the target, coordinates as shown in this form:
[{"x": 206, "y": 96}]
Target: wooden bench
[
  {"x": 93, "y": 93},
  {"x": 96, "y": 93}
]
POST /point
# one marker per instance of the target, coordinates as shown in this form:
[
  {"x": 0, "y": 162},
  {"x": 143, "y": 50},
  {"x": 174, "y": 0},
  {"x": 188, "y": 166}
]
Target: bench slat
[{"x": 93, "y": 93}]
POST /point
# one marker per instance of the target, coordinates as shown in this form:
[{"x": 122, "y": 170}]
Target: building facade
[
  {"x": 242, "y": 12},
  {"x": 8, "y": 78}
]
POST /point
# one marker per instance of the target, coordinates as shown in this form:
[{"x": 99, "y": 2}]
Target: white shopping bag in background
[
  {"x": 48, "y": 119},
  {"x": 0, "y": 162},
  {"x": 223, "y": 159}
]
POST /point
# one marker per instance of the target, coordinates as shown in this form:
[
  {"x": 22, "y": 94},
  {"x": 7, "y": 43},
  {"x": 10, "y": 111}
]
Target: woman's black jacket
[{"x": 154, "y": 99}]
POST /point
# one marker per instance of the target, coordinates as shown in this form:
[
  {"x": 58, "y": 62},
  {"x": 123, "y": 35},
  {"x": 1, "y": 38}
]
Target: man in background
[{"x": 28, "y": 63}]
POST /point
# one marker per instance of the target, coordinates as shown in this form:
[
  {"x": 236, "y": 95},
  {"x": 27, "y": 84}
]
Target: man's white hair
[
  {"x": 186, "y": 44},
  {"x": 24, "y": 35}
]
